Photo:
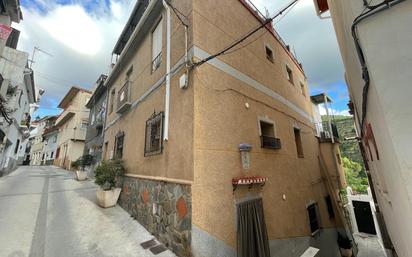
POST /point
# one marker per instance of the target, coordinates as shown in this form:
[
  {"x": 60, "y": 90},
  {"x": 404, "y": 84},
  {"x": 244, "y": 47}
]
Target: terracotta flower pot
[{"x": 107, "y": 198}]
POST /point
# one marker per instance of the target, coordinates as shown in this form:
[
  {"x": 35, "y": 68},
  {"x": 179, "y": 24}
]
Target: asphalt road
[{"x": 45, "y": 212}]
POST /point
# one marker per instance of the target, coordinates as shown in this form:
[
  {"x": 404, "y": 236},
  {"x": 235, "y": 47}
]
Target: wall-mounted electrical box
[{"x": 183, "y": 81}]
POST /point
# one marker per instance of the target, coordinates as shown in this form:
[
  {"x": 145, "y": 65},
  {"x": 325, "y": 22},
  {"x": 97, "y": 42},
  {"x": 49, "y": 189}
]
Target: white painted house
[
  {"x": 375, "y": 39},
  {"x": 18, "y": 94}
]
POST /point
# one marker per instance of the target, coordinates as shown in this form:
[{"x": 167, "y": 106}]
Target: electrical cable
[
  {"x": 385, "y": 5},
  {"x": 261, "y": 35},
  {"x": 243, "y": 38},
  {"x": 177, "y": 12}
]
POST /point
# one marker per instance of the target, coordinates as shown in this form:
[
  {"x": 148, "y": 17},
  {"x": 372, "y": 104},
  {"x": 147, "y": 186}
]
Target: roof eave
[{"x": 125, "y": 51}]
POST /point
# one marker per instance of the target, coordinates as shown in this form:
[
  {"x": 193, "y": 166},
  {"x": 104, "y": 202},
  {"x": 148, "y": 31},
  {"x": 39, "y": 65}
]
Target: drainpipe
[
  {"x": 186, "y": 55},
  {"x": 167, "y": 96}
]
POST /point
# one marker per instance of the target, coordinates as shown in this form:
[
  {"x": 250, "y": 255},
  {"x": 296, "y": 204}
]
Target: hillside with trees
[{"x": 351, "y": 156}]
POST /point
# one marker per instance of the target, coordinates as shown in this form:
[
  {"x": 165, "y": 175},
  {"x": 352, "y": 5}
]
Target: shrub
[
  {"x": 108, "y": 173},
  {"x": 83, "y": 161}
]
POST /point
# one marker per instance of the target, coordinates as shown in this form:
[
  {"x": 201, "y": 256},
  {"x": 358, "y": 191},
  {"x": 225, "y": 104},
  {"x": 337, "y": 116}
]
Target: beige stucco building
[
  {"x": 37, "y": 153},
  {"x": 72, "y": 123},
  {"x": 377, "y": 72},
  {"x": 178, "y": 128}
]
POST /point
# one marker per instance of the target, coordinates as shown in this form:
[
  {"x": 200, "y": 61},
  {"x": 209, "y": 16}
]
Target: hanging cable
[
  {"x": 264, "y": 32},
  {"x": 385, "y": 5},
  {"x": 177, "y": 13},
  {"x": 243, "y": 38}
]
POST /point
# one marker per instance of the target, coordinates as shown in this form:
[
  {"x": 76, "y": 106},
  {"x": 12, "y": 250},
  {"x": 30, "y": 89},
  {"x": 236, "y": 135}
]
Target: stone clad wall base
[{"x": 163, "y": 208}]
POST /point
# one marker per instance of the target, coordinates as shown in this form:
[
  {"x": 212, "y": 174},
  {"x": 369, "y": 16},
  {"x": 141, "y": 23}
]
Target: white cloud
[
  {"x": 80, "y": 42},
  {"x": 332, "y": 111},
  {"x": 73, "y": 27}
]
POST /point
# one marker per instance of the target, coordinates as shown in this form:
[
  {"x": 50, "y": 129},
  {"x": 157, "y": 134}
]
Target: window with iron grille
[
  {"x": 154, "y": 133},
  {"x": 267, "y": 135},
  {"x": 118, "y": 145},
  {"x": 313, "y": 218}
]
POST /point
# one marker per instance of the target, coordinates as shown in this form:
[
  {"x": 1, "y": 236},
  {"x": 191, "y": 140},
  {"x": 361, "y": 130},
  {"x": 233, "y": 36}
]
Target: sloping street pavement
[{"x": 45, "y": 212}]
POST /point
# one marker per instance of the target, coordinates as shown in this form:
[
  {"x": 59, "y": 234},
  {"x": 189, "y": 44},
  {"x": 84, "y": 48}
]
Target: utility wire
[
  {"x": 177, "y": 13},
  {"x": 47, "y": 76},
  {"x": 237, "y": 42},
  {"x": 384, "y": 5},
  {"x": 264, "y": 32}
]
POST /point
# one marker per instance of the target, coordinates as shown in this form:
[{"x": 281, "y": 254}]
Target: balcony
[
  {"x": 65, "y": 116},
  {"x": 270, "y": 142},
  {"x": 123, "y": 98},
  {"x": 326, "y": 132}
]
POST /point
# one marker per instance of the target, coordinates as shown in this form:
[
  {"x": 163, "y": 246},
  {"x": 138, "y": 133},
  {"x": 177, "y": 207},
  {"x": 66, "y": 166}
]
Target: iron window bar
[
  {"x": 156, "y": 62},
  {"x": 270, "y": 142}
]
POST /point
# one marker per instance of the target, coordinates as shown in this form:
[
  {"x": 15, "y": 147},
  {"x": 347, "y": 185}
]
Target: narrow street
[{"x": 45, "y": 212}]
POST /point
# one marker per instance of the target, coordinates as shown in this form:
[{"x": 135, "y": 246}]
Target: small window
[
  {"x": 112, "y": 97},
  {"x": 118, "y": 145},
  {"x": 302, "y": 88},
  {"x": 298, "y": 141},
  {"x": 329, "y": 205},
  {"x": 267, "y": 135},
  {"x": 84, "y": 124},
  {"x": 51, "y": 155},
  {"x": 269, "y": 54},
  {"x": 313, "y": 218},
  {"x": 157, "y": 46},
  {"x": 289, "y": 74},
  {"x": 154, "y": 132},
  {"x": 267, "y": 129}
]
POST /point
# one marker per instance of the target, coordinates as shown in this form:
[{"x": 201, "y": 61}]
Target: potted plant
[
  {"x": 107, "y": 176},
  {"x": 345, "y": 246},
  {"x": 83, "y": 162}
]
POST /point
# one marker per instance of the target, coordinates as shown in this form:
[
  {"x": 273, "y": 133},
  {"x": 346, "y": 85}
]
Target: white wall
[
  {"x": 12, "y": 68},
  {"x": 385, "y": 38}
]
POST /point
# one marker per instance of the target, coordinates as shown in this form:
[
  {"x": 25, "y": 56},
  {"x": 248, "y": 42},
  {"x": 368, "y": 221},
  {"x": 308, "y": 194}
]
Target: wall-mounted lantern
[{"x": 245, "y": 155}]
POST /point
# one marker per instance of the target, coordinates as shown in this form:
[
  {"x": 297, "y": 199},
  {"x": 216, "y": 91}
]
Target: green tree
[{"x": 355, "y": 175}]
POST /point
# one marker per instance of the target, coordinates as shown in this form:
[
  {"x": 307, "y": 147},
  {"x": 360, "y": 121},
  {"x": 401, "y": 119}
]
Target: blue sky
[{"x": 81, "y": 47}]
